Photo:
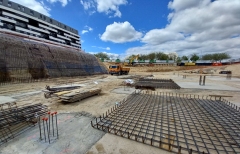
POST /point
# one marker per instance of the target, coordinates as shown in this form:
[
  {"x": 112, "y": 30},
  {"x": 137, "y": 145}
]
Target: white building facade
[{"x": 21, "y": 21}]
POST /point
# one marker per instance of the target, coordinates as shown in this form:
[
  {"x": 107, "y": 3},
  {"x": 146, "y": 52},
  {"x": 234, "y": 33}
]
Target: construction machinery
[
  {"x": 131, "y": 61},
  {"x": 118, "y": 69}
]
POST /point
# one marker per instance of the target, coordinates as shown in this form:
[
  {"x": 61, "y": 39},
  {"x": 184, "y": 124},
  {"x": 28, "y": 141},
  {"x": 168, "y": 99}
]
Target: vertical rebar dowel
[
  {"x": 204, "y": 79},
  {"x": 46, "y": 119},
  {"x": 49, "y": 121},
  {"x": 190, "y": 152},
  {"x": 179, "y": 150},
  {"x": 52, "y": 123},
  {"x": 56, "y": 122},
  {"x": 44, "y": 129},
  {"x": 200, "y": 80},
  {"x": 39, "y": 124}
]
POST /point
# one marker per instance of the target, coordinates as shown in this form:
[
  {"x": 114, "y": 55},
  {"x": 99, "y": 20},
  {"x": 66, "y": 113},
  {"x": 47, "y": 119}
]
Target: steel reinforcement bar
[
  {"x": 14, "y": 119},
  {"x": 174, "y": 122}
]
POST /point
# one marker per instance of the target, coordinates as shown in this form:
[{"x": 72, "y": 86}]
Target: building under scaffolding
[{"x": 26, "y": 61}]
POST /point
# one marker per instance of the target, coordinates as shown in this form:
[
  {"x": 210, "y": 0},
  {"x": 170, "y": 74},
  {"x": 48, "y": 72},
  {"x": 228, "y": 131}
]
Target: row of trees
[
  {"x": 214, "y": 57},
  {"x": 102, "y": 55},
  {"x": 153, "y": 56},
  {"x": 163, "y": 56}
]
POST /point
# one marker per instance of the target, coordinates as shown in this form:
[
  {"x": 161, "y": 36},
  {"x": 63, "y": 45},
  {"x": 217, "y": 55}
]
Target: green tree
[
  {"x": 143, "y": 57},
  {"x": 178, "y": 60},
  {"x": 184, "y": 58},
  {"x": 152, "y": 56},
  {"x": 102, "y": 55},
  {"x": 161, "y": 56},
  {"x": 194, "y": 57},
  {"x": 216, "y": 56}
]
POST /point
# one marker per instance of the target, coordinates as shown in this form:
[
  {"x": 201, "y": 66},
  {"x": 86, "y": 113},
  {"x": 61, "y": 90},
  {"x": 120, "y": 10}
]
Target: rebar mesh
[
  {"x": 144, "y": 83},
  {"x": 181, "y": 124},
  {"x": 16, "y": 119},
  {"x": 24, "y": 61}
]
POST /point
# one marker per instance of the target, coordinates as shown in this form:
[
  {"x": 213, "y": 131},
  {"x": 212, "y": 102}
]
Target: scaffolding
[
  {"x": 27, "y": 61},
  {"x": 174, "y": 122}
]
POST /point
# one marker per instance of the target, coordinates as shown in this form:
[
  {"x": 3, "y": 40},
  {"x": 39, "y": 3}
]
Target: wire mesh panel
[
  {"x": 181, "y": 124},
  {"x": 24, "y": 61}
]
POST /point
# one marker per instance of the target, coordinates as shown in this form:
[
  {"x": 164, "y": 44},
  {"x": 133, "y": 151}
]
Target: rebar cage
[
  {"x": 15, "y": 119},
  {"x": 26, "y": 61},
  {"x": 174, "y": 122}
]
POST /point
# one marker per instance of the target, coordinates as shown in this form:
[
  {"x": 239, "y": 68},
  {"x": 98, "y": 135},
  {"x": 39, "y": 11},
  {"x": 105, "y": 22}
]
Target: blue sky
[{"x": 124, "y": 27}]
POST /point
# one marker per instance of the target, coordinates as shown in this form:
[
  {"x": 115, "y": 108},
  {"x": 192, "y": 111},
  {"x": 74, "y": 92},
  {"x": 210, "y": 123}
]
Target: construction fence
[{"x": 26, "y": 61}]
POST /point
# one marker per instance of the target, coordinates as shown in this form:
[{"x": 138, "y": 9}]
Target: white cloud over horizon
[
  {"x": 107, "y": 48},
  {"x": 35, "y": 5},
  {"x": 196, "y": 26},
  {"x": 104, "y": 6},
  {"x": 120, "y": 33}
]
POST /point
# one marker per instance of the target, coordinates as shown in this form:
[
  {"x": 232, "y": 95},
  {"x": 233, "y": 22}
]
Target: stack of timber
[{"x": 77, "y": 95}]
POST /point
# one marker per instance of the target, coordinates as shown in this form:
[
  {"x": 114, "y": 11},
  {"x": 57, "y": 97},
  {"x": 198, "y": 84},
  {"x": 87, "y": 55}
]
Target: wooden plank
[{"x": 61, "y": 93}]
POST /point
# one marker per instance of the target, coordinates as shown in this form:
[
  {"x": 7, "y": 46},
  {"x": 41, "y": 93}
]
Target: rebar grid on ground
[
  {"x": 177, "y": 123},
  {"x": 156, "y": 83},
  {"x": 14, "y": 119}
]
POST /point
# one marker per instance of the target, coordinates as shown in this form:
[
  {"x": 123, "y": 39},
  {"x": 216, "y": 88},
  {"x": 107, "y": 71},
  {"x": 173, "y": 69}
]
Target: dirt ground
[{"x": 31, "y": 93}]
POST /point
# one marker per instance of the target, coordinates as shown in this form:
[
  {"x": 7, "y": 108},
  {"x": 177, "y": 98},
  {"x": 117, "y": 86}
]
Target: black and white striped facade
[{"x": 19, "y": 20}]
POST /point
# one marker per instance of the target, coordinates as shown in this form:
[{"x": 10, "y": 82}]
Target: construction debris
[
  {"x": 77, "y": 95},
  {"x": 16, "y": 119},
  {"x": 174, "y": 122}
]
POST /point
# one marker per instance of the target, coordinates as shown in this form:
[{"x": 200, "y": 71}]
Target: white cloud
[
  {"x": 87, "y": 29},
  {"x": 107, "y": 48},
  {"x": 63, "y": 2},
  {"x": 120, "y": 33},
  {"x": 87, "y": 4},
  {"x": 196, "y": 26},
  {"x": 104, "y": 6},
  {"x": 35, "y": 5},
  {"x": 84, "y": 31},
  {"x": 158, "y": 36}
]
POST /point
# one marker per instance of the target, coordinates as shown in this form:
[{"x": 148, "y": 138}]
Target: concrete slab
[
  {"x": 17, "y": 96},
  {"x": 76, "y": 136},
  {"x": 213, "y": 86},
  {"x": 123, "y": 90},
  {"x": 218, "y": 78},
  {"x": 6, "y": 99}
]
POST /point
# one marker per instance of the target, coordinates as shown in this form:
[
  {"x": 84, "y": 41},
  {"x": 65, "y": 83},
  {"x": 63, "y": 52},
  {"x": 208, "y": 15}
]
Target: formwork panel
[{"x": 173, "y": 122}]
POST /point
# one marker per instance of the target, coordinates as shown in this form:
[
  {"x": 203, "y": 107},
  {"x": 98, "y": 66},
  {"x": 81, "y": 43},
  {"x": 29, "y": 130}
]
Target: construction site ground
[{"x": 75, "y": 132}]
